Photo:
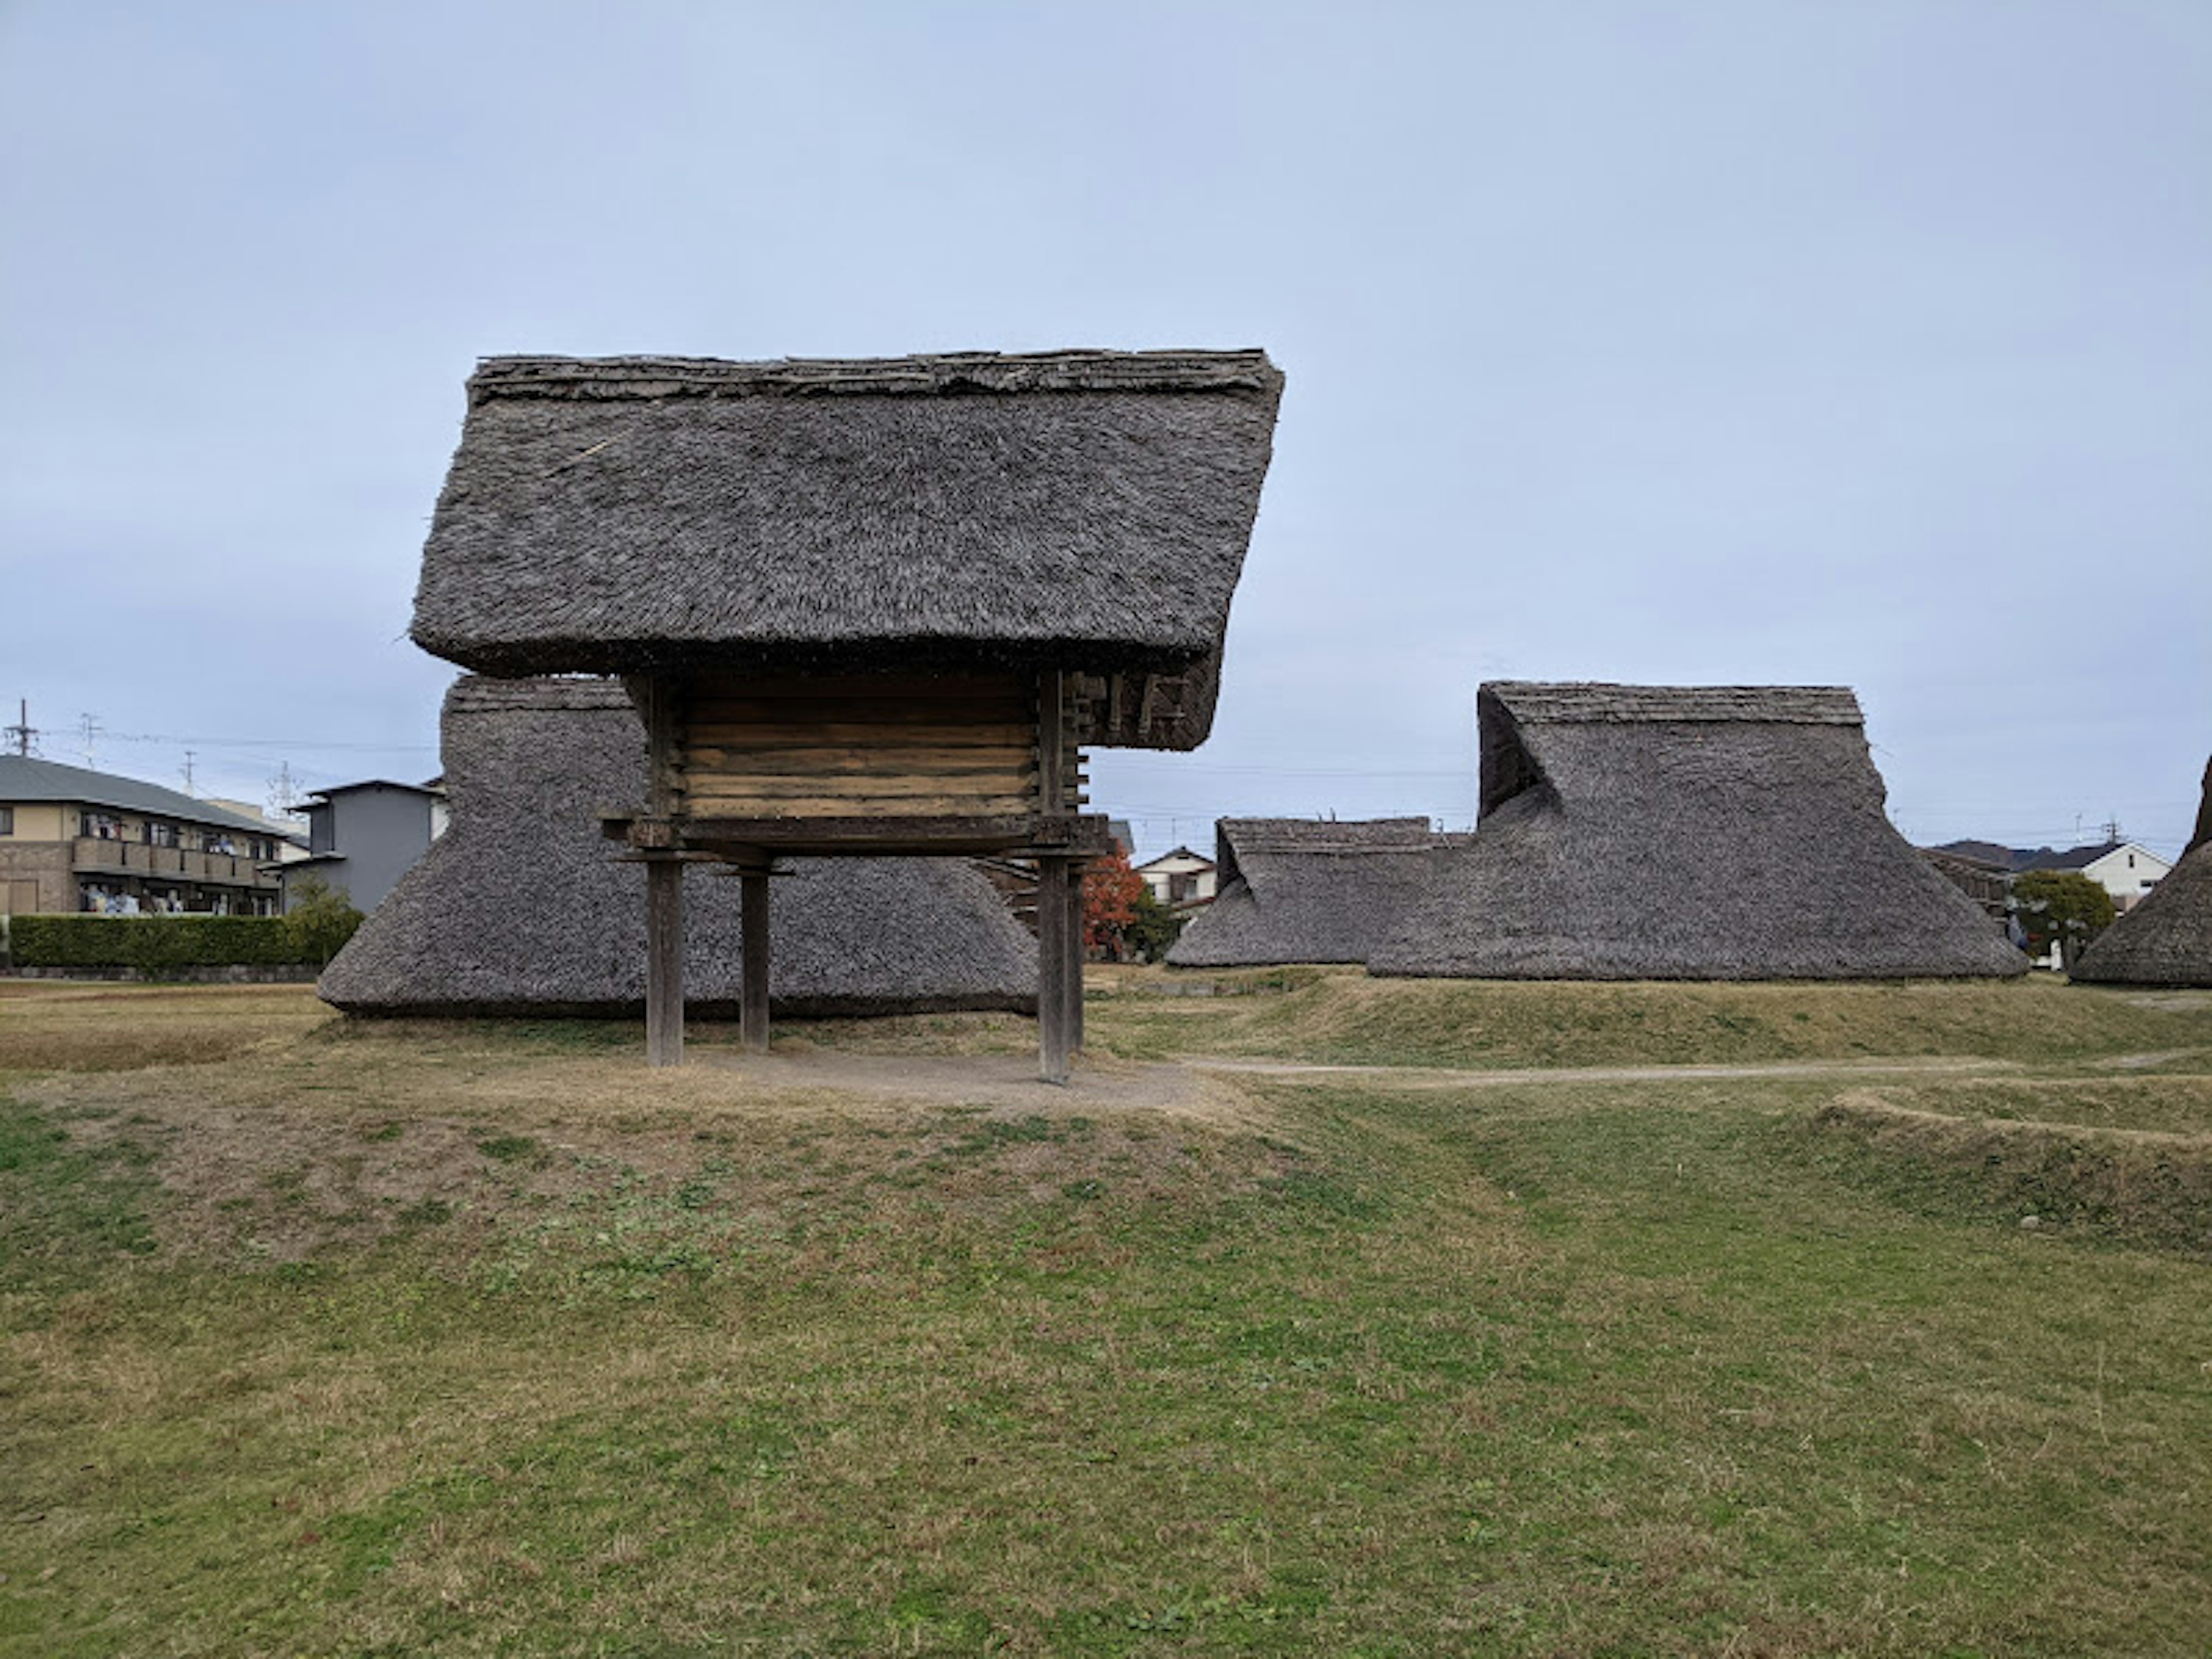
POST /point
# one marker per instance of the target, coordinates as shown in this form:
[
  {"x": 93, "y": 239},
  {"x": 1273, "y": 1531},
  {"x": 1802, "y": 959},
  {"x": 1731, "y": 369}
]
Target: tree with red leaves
[{"x": 1111, "y": 891}]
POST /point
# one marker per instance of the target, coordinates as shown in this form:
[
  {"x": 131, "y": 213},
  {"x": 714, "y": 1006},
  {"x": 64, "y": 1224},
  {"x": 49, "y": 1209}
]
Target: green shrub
[
  {"x": 321, "y": 918},
  {"x": 159, "y": 944}
]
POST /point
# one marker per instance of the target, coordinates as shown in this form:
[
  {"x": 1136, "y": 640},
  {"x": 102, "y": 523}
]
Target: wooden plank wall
[{"x": 860, "y": 745}]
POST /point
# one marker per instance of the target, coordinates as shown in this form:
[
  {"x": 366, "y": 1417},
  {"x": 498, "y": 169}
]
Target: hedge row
[{"x": 151, "y": 944}]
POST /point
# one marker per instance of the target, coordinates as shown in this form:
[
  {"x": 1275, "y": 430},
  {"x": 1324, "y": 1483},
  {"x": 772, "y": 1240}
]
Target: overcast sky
[{"x": 1669, "y": 343}]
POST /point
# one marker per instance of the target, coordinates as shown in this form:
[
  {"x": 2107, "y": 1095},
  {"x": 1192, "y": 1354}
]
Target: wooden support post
[
  {"x": 663, "y": 962},
  {"x": 657, "y": 703},
  {"x": 1053, "y": 963},
  {"x": 753, "y": 959},
  {"x": 1075, "y": 954}
]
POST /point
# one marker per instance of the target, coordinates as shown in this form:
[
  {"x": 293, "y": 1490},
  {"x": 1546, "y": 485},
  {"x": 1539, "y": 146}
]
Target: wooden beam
[
  {"x": 658, "y": 700},
  {"x": 663, "y": 962},
  {"x": 1075, "y": 954},
  {"x": 1053, "y": 1036},
  {"x": 753, "y": 958}
]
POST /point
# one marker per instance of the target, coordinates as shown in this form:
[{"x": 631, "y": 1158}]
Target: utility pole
[
  {"x": 284, "y": 792},
  {"x": 188, "y": 771},
  {"x": 22, "y": 731},
  {"x": 87, "y": 726}
]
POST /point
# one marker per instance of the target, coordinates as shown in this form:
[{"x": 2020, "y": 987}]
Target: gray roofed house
[
  {"x": 1701, "y": 832},
  {"x": 1077, "y": 510},
  {"x": 519, "y": 909},
  {"x": 363, "y": 837},
  {"x": 2166, "y": 937},
  {"x": 28, "y": 778},
  {"x": 73, "y": 839},
  {"x": 1295, "y": 890}
]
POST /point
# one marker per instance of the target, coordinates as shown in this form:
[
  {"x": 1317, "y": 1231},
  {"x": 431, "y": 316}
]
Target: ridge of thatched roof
[
  {"x": 1684, "y": 832},
  {"x": 1301, "y": 890},
  {"x": 2165, "y": 937},
  {"x": 1087, "y": 511},
  {"x": 521, "y": 907}
]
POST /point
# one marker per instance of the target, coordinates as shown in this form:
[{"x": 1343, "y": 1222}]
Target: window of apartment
[
  {"x": 6, "y": 820},
  {"x": 162, "y": 835}
]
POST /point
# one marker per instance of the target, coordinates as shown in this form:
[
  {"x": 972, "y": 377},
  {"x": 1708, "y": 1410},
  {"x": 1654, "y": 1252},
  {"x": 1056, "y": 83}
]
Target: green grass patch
[
  {"x": 1345, "y": 1017},
  {"x": 1539, "y": 1367}
]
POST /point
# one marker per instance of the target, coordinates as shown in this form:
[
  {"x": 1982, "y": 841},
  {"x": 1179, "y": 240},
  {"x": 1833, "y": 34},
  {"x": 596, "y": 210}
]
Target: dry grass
[{"x": 480, "y": 1339}]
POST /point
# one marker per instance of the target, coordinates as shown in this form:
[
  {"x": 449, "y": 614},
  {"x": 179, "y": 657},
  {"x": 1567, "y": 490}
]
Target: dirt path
[
  {"x": 993, "y": 1081},
  {"x": 1430, "y": 1077}
]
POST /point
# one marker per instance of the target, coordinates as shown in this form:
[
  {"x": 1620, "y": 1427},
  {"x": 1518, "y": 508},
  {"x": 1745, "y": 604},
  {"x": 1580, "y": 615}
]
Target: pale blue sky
[{"x": 1785, "y": 342}]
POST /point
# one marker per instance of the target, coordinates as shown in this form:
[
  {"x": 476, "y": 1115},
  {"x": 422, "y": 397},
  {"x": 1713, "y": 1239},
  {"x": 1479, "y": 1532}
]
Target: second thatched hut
[
  {"x": 1298, "y": 890},
  {"x": 1684, "y": 832},
  {"x": 517, "y": 908},
  {"x": 2166, "y": 937}
]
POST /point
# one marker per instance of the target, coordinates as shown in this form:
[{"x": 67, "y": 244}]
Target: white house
[
  {"x": 1181, "y": 878},
  {"x": 2125, "y": 869}
]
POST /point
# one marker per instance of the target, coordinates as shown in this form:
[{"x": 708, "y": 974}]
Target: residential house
[
  {"x": 1179, "y": 879},
  {"x": 2126, "y": 869},
  {"x": 363, "y": 837},
  {"x": 72, "y": 839}
]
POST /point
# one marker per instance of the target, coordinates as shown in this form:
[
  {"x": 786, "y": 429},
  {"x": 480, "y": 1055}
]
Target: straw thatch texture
[
  {"x": 1721, "y": 832},
  {"x": 1084, "y": 511},
  {"x": 519, "y": 908},
  {"x": 1294, "y": 889},
  {"x": 2166, "y": 938}
]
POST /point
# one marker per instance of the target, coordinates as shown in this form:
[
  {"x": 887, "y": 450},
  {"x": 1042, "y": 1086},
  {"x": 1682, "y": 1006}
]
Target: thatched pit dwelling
[
  {"x": 517, "y": 908},
  {"x": 865, "y": 608},
  {"x": 1300, "y": 889},
  {"x": 1697, "y": 832},
  {"x": 2166, "y": 937}
]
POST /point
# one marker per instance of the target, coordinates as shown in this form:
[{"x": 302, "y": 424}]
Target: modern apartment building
[{"x": 76, "y": 840}]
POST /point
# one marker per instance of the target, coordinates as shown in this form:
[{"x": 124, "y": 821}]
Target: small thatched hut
[
  {"x": 517, "y": 908},
  {"x": 1700, "y": 832},
  {"x": 864, "y": 607},
  {"x": 1297, "y": 889},
  {"x": 2166, "y": 937}
]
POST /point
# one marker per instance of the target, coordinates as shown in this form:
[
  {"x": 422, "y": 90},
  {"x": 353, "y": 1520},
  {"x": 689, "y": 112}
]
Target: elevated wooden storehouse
[
  {"x": 517, "y": 910},
  {"x": 2165, "y": 938},
  {"x": 1684, "y": 832},
  {"x": 864, "y": 608},
  {"x": 1300, "y": 890}
]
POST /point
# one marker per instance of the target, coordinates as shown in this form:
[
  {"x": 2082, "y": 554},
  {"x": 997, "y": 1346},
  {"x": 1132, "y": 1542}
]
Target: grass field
[{"x": 1765, "y": 1320}]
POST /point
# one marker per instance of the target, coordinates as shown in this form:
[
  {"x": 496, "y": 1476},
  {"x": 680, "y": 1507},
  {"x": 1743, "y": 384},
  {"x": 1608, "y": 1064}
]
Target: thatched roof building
[
  {"x": 519, "y": 909},
  {"x": 1704, "y": 832},
  {"x": 1295, "y": 889},
  {"x": 2166, "y": 937},
  {"x": 1083, "y": 511}
]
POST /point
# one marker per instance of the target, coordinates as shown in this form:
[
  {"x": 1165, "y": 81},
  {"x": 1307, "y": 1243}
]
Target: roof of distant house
[
  {"x": 435, "y": 786},
  {"x": 26, "y": 778},
  {"x": 2019, "y": 860}
]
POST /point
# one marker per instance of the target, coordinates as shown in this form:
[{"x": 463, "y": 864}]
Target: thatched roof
[
  {"x": 1702, "y": 832},
  {"x": 2166, "y": 937},
  {"x": 1295, "y": 890},
  {"x": 1080, "y": 510},
  {"x": 520, "y": 907}
]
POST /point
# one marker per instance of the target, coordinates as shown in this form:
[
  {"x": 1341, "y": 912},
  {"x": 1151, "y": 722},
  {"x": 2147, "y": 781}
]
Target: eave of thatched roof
[
  {"x": 1727, "y": 832},
  {"x": 520, "y": 907},
  {"x": 1086, "y": 511},
  {"x": 1295, "y": 890},
  {"x": 2166, "y": 937}
]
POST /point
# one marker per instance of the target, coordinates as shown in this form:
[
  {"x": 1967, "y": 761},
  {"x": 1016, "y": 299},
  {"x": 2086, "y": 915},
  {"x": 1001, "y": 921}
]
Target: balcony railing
[{"x": 94, "y": 854}]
